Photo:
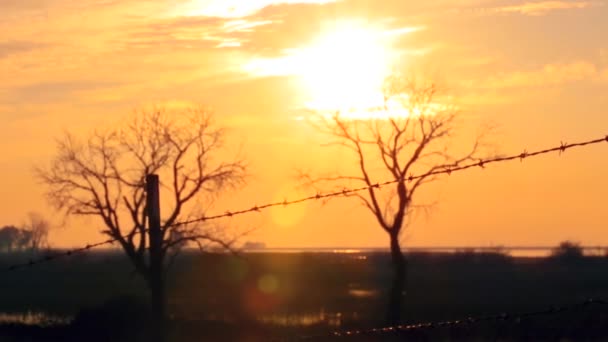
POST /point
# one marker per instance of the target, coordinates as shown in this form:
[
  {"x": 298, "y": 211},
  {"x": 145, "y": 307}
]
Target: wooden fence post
[{"x": 156, "y": 281}]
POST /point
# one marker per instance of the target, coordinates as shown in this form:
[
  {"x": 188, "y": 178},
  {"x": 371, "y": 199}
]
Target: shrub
[{"x": 567, "y": 251}]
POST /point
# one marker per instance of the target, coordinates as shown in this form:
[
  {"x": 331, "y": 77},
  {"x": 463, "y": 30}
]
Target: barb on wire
[
  {"x": 49, "y": 258},
  {"x": 448, "y": 170},
  {"x": 452, "y": 323}
]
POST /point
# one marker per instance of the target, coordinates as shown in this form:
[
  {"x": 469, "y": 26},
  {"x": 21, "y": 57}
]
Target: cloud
[
  {"x": 235, "y": 8},
  {"x": 268, "y": 31},
  {"x": 14, "y": 47},
  {"x": 294, "y": 25},
  {"x": 48, "y": 92},
  {"x": 543, "y": 7},
  {"x": 200, "y": 32},
  {"x": 550, "y": 74}
]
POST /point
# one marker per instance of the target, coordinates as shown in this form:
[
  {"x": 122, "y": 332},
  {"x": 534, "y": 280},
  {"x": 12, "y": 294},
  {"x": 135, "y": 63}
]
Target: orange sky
[{"x": 537, "y": 69}]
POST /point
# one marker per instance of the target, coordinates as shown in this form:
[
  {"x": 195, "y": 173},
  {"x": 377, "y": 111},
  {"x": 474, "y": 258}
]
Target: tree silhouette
[
  {"x": 9, "y": 238},
  {"x": 36, "y": 231},
  {"x": 410, "y": 134},
  {"x": 567, "y": 251},
  {"x": 105, "y": 177}
]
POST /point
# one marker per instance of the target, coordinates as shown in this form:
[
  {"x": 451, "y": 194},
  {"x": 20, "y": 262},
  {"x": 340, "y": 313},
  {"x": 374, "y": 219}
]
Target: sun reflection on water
[
  {"x": 33, "y": 318},
  {"x": 303, "y": 320}
]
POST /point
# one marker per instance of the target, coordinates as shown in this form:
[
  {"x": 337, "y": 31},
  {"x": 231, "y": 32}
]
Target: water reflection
[
  {"x": 302, "y": 320},
  {"x": 33, "y": 318},
  {"x": 363, "y": 293}
]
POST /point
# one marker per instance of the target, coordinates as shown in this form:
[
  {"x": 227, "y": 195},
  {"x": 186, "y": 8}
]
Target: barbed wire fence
[
  {"x": 563, "y": 147},
  {"x": 63, "y": 254},
  {"x": 482, "y": 163},
  {"x": 516, "y": 317}
]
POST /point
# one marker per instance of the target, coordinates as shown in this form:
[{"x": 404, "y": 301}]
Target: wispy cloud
[
  {"x": 14, "y": 47},
  {"x": 47, "y": 92},
  {"x": 543, "y": 7},
  {"x": 234, "y": 8},
  {"x": 550, "y": 74},
  {"x": 195, "y": 32}
]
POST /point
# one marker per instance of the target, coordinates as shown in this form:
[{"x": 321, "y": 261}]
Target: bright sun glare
[{"x": 344, "y": 69}]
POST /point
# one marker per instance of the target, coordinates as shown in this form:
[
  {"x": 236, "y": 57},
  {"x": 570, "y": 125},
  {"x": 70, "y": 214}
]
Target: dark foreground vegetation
[{"x": 260, "y": 297}]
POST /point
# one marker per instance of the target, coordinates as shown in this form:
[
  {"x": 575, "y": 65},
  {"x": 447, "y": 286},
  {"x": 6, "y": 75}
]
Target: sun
[{"x": 345, "y": 69}]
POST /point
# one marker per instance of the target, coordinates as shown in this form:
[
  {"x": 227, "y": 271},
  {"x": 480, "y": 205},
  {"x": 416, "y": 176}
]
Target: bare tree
[
  {"x": 411, "y": 134},
  {"x": 105, "y": 177},
  {"x": 36, "y": 231}
]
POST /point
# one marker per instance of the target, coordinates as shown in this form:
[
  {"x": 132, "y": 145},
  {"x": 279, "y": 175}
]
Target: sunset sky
[{"x": 536, "y": 70}]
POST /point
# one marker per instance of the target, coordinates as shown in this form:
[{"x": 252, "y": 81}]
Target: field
[{"x": 256, "y": 297}]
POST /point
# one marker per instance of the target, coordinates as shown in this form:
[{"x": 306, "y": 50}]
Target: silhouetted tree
[
  {"x": 567, "y": 251},
  {"x": 35, "y": 233},
  {"x": 410, "y": 134},
  {"x": 105, "y": 177},
  {"x": 9, "y": 238},
  {"x": 24, "y": 240},
  {"x": 32, "y": 236}
]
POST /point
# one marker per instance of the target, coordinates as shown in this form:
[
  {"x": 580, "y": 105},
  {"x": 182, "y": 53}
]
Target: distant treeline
[{"x": 32, "y": 235}]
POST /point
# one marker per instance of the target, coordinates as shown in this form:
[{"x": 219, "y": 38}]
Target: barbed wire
[
  {"x": 447, "y": 170},
  {"x": 517, "y": 317},
  {"x": 257, "y": 208},
  {"x": 55, "y": 256}
]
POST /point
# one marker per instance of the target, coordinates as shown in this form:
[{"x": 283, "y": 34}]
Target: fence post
[{"x": 156, "y": 281}]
